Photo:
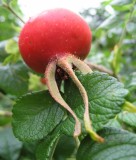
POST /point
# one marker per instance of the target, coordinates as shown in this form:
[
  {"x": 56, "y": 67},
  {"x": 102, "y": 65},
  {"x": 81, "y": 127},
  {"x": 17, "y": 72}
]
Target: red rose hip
[
  {"x": 53, "y": 43},
  {"x": 51, "y": 34}
]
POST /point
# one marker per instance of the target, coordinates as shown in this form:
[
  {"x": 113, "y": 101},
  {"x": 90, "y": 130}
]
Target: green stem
[
  {"x": 129, "y": 107},
  {"x": 118, "y": 46},
  {"x": 99, "y": 68},
  {"x": 132, "y": 10},
  {"x": 13, "y": 12},
  {"x": 77, "y": 142}
]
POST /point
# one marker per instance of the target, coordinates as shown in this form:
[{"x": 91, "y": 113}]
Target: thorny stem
[
  {"x": 13, "y": 12},
  {"x": 54, "y": 91},
  {"x": 100, "y": 68}
]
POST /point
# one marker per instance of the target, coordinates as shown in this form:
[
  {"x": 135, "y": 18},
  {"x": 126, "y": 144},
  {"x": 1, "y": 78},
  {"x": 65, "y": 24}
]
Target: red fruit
[
  {"x": 58, "y": 39},
  {"x": 52, "y": 34}
]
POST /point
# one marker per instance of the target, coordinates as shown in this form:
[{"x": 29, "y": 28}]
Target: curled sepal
[
  {"x": 55, "y": 93},
  {"x": 66, "y": 63},
  {"x": 83, "y": 67}
]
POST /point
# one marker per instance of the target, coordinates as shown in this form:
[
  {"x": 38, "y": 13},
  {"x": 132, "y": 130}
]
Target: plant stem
[
  {"x": 132, "y": 10},
  {"x": 100, "y": 68},
  {"x": 77, "y": 142},
  {"x": 13, "y": 12},
  {"x": 118, "y": 46},
  {"x": 5, "y": 113},
  {"x": 129, "y": 107}
]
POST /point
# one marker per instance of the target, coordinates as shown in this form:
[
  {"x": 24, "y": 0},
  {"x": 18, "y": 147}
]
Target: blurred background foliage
[{"x": 113, "y": 27}]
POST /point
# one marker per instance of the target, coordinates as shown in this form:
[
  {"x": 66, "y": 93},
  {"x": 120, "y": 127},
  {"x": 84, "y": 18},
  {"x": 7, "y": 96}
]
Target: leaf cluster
[{"x": 43, "y": 129}]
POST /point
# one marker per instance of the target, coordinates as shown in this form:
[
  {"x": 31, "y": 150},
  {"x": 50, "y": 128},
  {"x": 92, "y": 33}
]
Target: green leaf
[
  {"x": 12, "y": 47},
  {"x": 46, "y": 148},
  {"x": 112, "y": 21},
  {"x": 106, "y": 96},
  {"x": 15, "y": 6},
  {"x": 14, "y": 78},
  {"x": 25, "y": 158},
  {"x": 5, "y": 105},
  {"x": 9, "y": 146},
  {"x": 5, "y": 102},
  {"x": 35, "y": 115},
  {"x": 120, "y": 5},
  {"x": 3, "y": 53},
  {"x": 4, "y": 120},
  {"x": 105, "y": 3},
  {"x": 123, "y": 8},
  {"x": 7, "y": 20},
  {"x": 130, "y": 84},
  {"x": 28, "y": 151},
  {"x": 131, "y": 81},
  {"x": 6, "y": 1},
  {"x": 114, "y": 123},
  {"x": 35, "y": 83},
  {"x": 12, "y": 58},
  {"x": 118, "y": 145},
  {"x": 64, "y": 151},
  {"x": 128, "y": 118},
  {"x": 120, "y": 2}
]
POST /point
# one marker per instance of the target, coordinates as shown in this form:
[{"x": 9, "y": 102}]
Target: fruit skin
[{"x": 52, "y": 34}]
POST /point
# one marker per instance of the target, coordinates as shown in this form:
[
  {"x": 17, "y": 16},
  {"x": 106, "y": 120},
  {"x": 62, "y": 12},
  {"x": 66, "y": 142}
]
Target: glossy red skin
[{"x": 51, "y": 34}]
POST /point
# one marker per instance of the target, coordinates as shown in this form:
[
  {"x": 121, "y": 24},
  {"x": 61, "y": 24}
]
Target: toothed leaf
[
  {"x": 128, "y": 118},
  {"x": 106, "y": 96},
  {"x": 10, "y": 147},
  {"x": 118, "y": 145},
  {"x": 14, "y": 78},
  {"x": 45, "y": 149},
  {"x": 35, "y": 115}
]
